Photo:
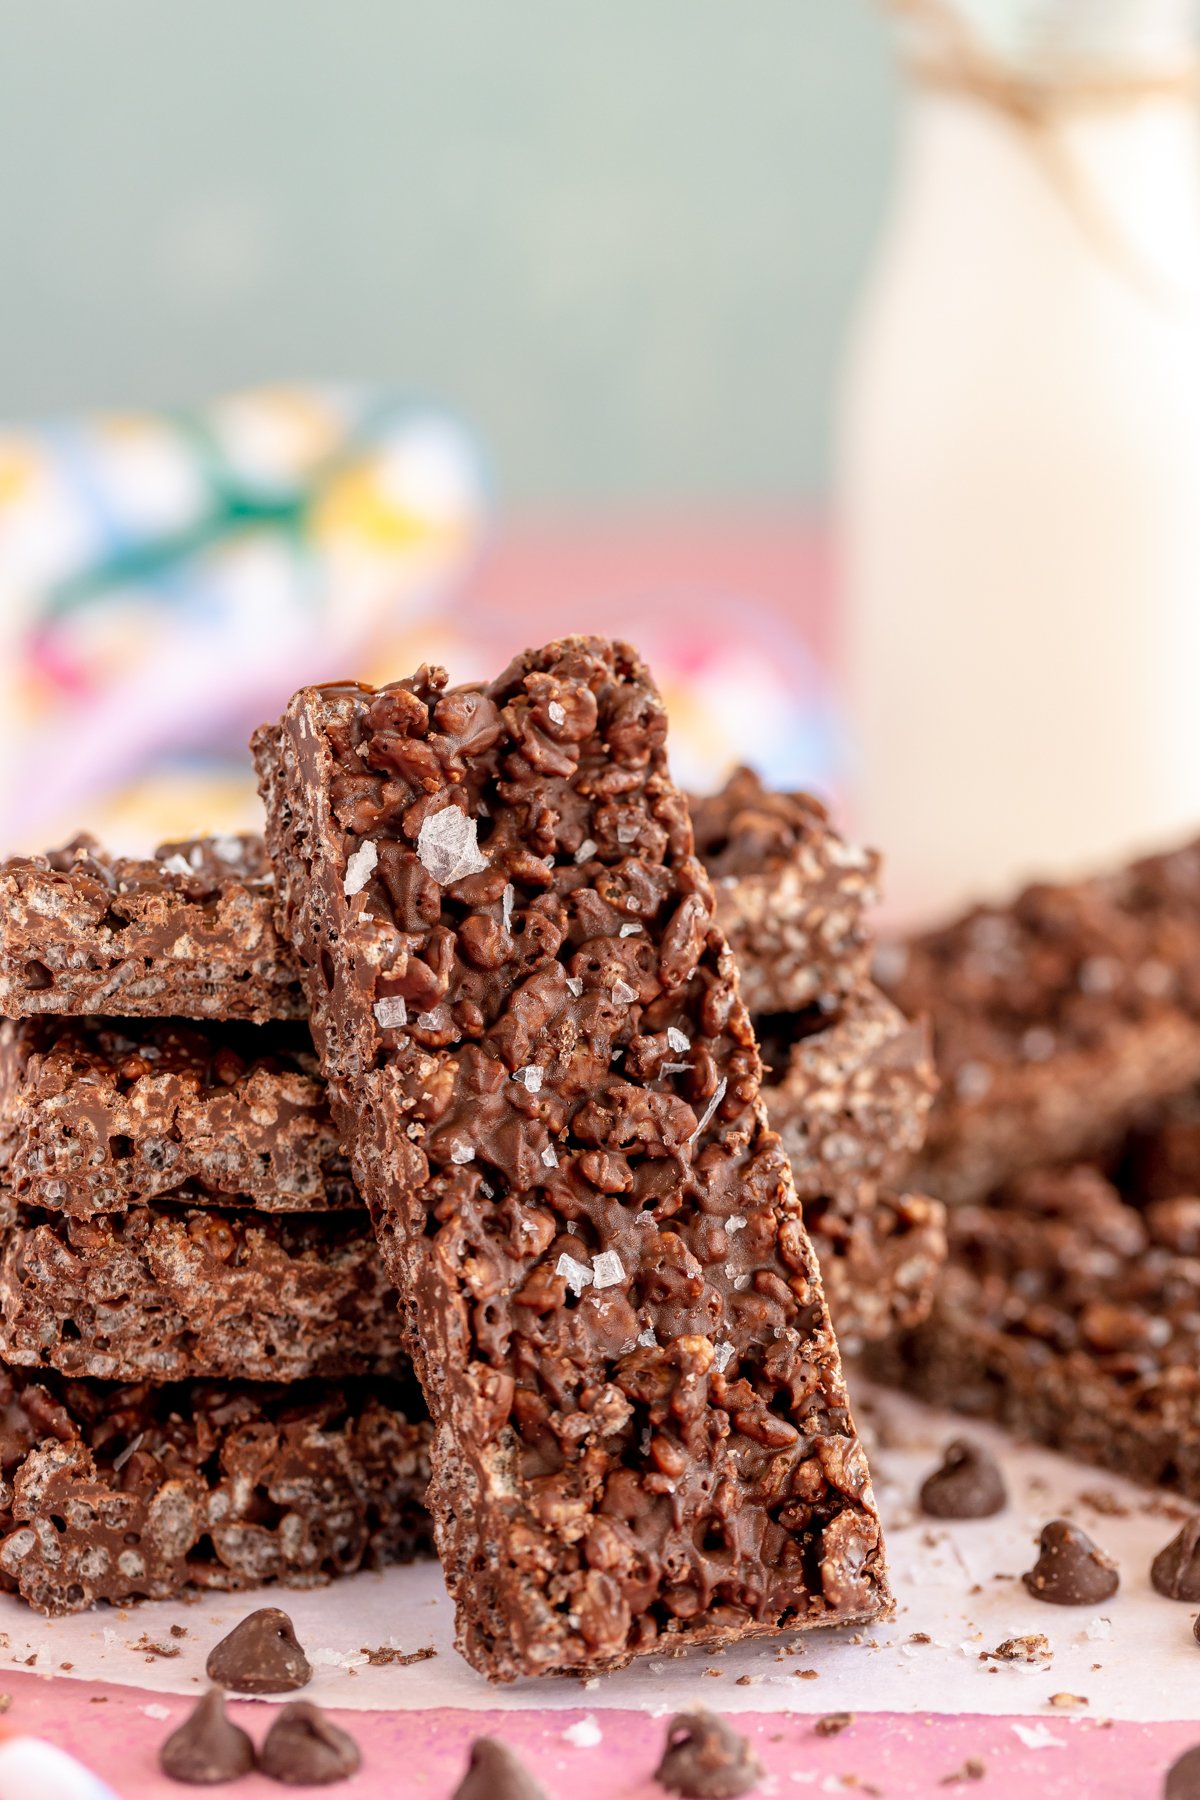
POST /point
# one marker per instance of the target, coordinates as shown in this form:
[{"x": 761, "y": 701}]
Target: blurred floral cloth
[{"x": 166, "y": 580}]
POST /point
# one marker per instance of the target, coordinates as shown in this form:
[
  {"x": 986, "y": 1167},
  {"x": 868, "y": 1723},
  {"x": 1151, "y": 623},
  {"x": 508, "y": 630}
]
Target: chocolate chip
[
  {"x": 494, "y": 1773},
  {"x": 706, "y": 1760},
  {"x": 207, "y": 1747},
  {"x": 968, "y": 1485},
  {"x": 305, "y": 1749},
  {"x": 260, "y": 1656},
  {"x": 1183, "y": 1777},
  {"x": 1175, "y": 1571},
  {"x": 1070, "y": 1569}
]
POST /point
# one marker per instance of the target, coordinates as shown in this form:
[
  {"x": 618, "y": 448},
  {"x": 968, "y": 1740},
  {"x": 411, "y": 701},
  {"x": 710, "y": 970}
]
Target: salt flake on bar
[
  {"x": 629, "y": 930},
  {"x": 627, "y": 831},
  {"x": 647, "y": 1339},
  {"x": 359, "y": 866},
  {"x": 608, "y": 1269},
  {"x": 675, "y": 1068},
  {"x": 462, "y": 1153},
  {"x": 506, "y": 905},
  {"x": 448, "y": 846},
  {"x": 391, "y": 1011},
  {"x": 622, "y": 993},
  {"x": 557, "y": 712},
  {"x": 576, "y": 1274},
  {"x": 550, "y": 1157},
  {"x": 176, "y": 865},
  {"x": 679, "y": 1041},
  {"x": 735, "y": 1222},
  {"x": 435, "y": 1020},
  {"x": 710, "y": 1109},
  {"x": 586, "y": 849},
  {"x": 722, "y": 1357},
  {"x": 530, "y": 1078},
  {"x": 574, "y": 985}
]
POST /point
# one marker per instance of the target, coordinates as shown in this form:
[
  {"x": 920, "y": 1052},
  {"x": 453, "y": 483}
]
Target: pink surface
[{"x": 423, "y": 1753}]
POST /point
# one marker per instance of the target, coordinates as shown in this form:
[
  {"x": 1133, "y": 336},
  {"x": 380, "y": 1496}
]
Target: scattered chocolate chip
[
  {"x": 494, "y": 1773},
  {"x": 404, "y": 1659},
  {"x": 974, "y": 1769},
  {"x": 260, "y": 1656},
  {"x": 968, "y": 1485},
  {"x": 1070, "y": 1569},
  {"x": 305, "y": 1749},
  {"x": 806, "y": 1674},
  {"x": 1031, "y": 1648},
  {"x": 207, "y": 1748},
  {"x": 1175, "y": 1571},
  {"x": 832, "y": 1723},
  {"x": 1068, "y": 1700},
  {"x": 1183, "y": 1777},
  {"x": 706, "y": 1760}
]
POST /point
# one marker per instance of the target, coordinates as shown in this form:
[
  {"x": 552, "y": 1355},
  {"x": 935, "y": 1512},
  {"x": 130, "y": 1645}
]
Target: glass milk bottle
[{"x": 1019, "y": 453}]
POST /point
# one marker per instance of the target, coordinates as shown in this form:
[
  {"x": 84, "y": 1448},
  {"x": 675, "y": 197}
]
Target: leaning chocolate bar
[
  {"x": 98, "y": 1114},
  {"x": 167, "y": 1292},
  {"x": 188, "y": 932},
  {"x": 550, "y": 1089},
  {"x": 125, "y": 1492},
  {"x": 792, "y": 896},
  {"x": 1056, "y": 1018},
  {"x": 1068, "y": 1311}
]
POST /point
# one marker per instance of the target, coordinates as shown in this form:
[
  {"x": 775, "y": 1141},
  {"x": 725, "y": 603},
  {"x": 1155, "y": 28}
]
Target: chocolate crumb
[
  {"x": 1068, "y": 1700},
  {"x": 260, "y": 1656},
  {"x": 403, "y": 1659},
  {"x": 974, "y": 1769},
  {"x": 305, "y": 1749},
  {"x": 919, "y": 1637},
  {"x": 706, "y": 1759},
  {"x": 148, "y": 1646},
  {"x": 1102, "y": 1501},
  {"x": 806, "y": 1674},
  {"x": 832, "y": 1724},
  {"x": 968, "y": 1485},
  {"x": 207, "y": 1748},
  {"x": 1183, "y": 1777},
  {"x": 1031, "y": 1648},
  {"x": 1175, "y": 1571},
  {"x": 179, "y": 1631},
  {"x": 494, "y": 1773},
  {"x": 1071, "y": 1570}
]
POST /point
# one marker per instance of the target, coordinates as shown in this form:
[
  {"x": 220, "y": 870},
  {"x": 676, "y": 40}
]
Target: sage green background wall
[{"x": 620, "y": 235}]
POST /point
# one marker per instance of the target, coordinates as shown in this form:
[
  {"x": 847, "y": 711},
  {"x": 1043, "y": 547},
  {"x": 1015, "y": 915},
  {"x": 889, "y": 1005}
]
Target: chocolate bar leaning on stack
[
  {"x": 547, "y": 1081},
  {"x": 200, "y": 1357},
  {"x": 849, "y": 1079},
  {"x": 1067, "y": 1139}
]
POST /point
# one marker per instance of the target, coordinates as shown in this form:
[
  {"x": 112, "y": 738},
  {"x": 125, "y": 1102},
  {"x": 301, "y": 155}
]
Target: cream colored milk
[{"x": 1019, "y": 498}]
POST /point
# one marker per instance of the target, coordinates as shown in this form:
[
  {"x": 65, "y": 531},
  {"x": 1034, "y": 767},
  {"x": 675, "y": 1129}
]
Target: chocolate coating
[
  {"x": 305, "y": 1749},
  {"x": 185, "y": 933},
  {"x": 968, "y": 1485},
  {"x": 261, "y": 1655},
  {"x": 495, "y": 1773},
  {"x": 706, "y": 1759},
  {"x": 624, "y": 1389},
  {"x": 1071, "y": 1570},
  {"x": 207, "y": 1748},
  {"x": 1175, "y": 1571}
]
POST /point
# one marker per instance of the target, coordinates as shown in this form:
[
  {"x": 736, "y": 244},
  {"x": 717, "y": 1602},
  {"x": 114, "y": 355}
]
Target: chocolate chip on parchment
[
  {"x": 260, "y": 1656},
  {"x": 1071, "y": 1570},
  {"x": 1183, "y": 1777},
  {"x": 207, "y": 1748},
  {"x": 1175, "y": 1571},
  {"x": 706, "y": 1759},
  {"x": 968, "y": 1485},
  {"x": 305, "y": 1749},
  {"x": 833, "y": 1723},
  {"x": 494, "y": 1773}
]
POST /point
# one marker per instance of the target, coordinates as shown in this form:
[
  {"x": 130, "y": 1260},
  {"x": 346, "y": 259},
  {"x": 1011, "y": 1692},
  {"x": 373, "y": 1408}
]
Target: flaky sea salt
[
  {"x": 629, "y": 931},
  {"x": 448, "y": 846},
  {"x": 674, "y": 1068},
  {"x": 586, "y": 849},
  {"x": 710, "y": 1109},
  {"x": 359, "y": 866},
  {"x": 557, "y": 712},
  {"x": 576, "y": 1274},
  {"x": 462, "y": 1153},
  {"x": 391, "y": 1012},
  {"x": 550, "y": 1157},
  {"x": 627, "y": 831},
  {"x": 176, "y": 865},
  {"x": 679, "y": 1041},
  {"x": 585, "y": 1734},
  {"x": 506, "y": 905},
  {"x": 530, "y": 1078},
  {"x": 608, "y": 1269},
  {"x": 735, "y": 1222},
  {"x": 574, "y": 985},
  {"x": 647, "y": 1339},
  {"x": 229, "y": 849},
  {"x": 722, "y": 1357},
  {"x": 436, "y": 1019},
  {"x": 622, "y": 993}
]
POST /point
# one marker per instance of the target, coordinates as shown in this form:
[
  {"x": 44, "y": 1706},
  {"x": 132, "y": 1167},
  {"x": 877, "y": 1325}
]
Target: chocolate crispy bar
[
  {"x": 187, "y": 933},
  {"x": 120, "y": 1492},
  {"x": 537, "y": 1052},
  {"x": 166, "y": 1292},
  {"x": 792, "y": 896},
  {"x": 1068, "y": 1312},
  {"x": 1056, "y": 1019},
  {"x": 100, "y": 1114}
]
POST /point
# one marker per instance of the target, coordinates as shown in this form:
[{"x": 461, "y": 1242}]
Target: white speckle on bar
[
  {"x": 710, "y": 1109},
  {"x": 462, "y": 1153},
  {"x": 391, "y": 1012},
  {"x": 550, "y": 1157},
  {"x": 506, "y": 905},
  {"x": 678, "y": 1040},
  {"x": 448, "y": 846},
  {"x": 629, "y": 930},
  {"x": 176, "y": 865},
  {"x": 530, "y": 1078},
  {"x": 627, "y": 831},
  {"x": 608, "y": 1269},
  {"x": 722, "y": 1357},
  {"x": 574, "y": 985},
  {"x": 557, "y": 712},
  {"x": 647, "y": 1339},
  {"x": 576, "y": 1274},
  {"x": 622, "y": 993},
  {"x": 489, "y": 1193},
  {"x": 436, "y": 1019},
  {"x": 674, "y": 1068},
  {"x": 585, "y": 1734},
  {"x": 359, "y": 866},
  {"x": 735, "y": 1222},
  {"x": 586, "y": 849}
]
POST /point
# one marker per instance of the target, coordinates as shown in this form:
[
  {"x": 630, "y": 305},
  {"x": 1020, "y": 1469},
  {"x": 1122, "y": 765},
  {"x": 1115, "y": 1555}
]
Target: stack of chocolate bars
[
  {"x": 1067, "y": 1143},
  {"x": 532, "y": 1059},
  {"x": 202, "y": 1379}
]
